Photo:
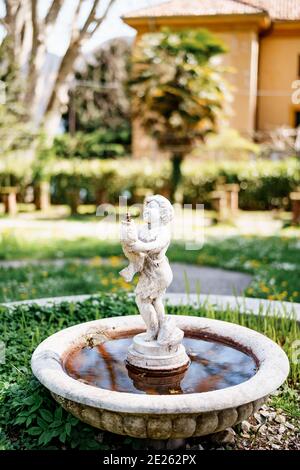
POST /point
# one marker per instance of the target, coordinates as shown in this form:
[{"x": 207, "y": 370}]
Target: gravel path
[
  {"x": 197, "y": 278},
  {"x": 210, "y": 280}
]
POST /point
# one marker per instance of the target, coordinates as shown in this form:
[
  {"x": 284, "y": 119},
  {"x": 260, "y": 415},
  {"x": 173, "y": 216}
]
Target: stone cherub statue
[{"x": 146, "y": 251}]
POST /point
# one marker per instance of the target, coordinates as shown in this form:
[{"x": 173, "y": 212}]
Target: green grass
[
  {"x": 16, "y": 247},
  {"x": 31, "y": 419},
  {"x": 46, "y": 280},
  {"x": 274, "y": 262},
  {"x": 288, "y": 399}
]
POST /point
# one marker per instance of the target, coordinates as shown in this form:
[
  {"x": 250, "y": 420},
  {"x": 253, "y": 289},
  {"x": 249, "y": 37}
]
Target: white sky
[{"x": 112, "y": 27}]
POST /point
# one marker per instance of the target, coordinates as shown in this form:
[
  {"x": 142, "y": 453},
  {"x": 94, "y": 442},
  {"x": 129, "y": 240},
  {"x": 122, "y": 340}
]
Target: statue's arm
[
  {"x": 128, "y": 233},
  {"x": 158, "y": 244}
]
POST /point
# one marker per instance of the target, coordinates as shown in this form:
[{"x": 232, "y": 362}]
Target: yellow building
[{"x": 263, "y": 37}]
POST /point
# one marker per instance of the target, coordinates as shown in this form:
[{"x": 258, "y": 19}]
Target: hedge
[{"x": 264, "y": 184}]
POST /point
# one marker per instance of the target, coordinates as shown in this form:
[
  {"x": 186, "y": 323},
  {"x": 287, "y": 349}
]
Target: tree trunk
[
  {"x": 295, "y": 199},
  {"x": 176, "y": 176},
  {"x": 73, "y": 199},
  {"x": 9, "y": 197},
  {"x": 42, "y": 196},
  {"x": 53, "y": 111}
]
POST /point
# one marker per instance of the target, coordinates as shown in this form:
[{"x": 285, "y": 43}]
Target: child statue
[{"x": 146, "y": 251}]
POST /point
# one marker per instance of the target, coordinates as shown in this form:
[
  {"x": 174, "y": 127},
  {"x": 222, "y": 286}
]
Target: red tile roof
[{"x": 277, "y": 9}]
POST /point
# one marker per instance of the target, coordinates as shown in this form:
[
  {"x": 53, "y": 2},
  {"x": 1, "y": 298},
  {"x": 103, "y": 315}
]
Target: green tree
[
  {"x": 97, "y": 119},
  {"x": 14, "y": 134},
  {"x": 98, "y": 97},
  {"x": 178, "y": 92}
]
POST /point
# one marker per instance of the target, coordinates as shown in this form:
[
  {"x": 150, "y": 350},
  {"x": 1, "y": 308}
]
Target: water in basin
[{"x": 213, "y": 366}]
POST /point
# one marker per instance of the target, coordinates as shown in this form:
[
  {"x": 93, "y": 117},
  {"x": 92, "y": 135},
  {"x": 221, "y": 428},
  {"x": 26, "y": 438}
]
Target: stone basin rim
[{"x": 47, "y": 366}]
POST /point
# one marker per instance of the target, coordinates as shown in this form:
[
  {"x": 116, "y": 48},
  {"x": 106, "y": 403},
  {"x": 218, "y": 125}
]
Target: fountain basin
[{"x": 160, "y": 416}]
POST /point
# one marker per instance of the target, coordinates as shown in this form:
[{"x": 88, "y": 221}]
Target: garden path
[{"x": 186, "y": 277}]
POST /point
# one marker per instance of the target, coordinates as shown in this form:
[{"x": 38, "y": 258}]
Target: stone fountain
[{"x": 154, "y": 375}]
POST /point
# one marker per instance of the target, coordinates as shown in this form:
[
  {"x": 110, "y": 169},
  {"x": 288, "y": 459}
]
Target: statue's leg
[
  {"x": 148, "y": 313},
  {"x": 160, "y": 311}
]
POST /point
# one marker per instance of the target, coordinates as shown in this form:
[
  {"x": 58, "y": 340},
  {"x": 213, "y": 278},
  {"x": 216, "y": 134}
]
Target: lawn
[
  {"x": 274, "y": 263},
  {"x": 72, "y": 278},
  {"x": 31, "y": 419}
]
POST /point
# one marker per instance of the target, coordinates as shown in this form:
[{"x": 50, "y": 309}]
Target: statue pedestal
[{"x": 151, "y": 355}]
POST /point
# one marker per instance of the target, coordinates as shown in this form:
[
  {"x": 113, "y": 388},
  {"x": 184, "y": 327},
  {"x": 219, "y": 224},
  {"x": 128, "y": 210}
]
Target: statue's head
[{"x": 157, "y": 209}]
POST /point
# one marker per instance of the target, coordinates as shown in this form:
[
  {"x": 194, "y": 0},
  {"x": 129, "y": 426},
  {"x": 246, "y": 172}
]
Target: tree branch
[
  {"x": 8, "y": 7},
  {"x": 72, "y": 52},
  {"x": 35, "y": 29},
  {"x": 12, "y": 8},
  {"x": 3, "y": 23},
  {"x": 74, "y": 29},
  {"x": 35, "y": 43},
  {"x": 99, "y": 21},
  {"x": 90, "y": 19},
  {"x": 9, "y": 14},
  {"x": 53, "y": 12},
  {"x": 12, "y": 21},
  {"x": 67, "y": 63}
]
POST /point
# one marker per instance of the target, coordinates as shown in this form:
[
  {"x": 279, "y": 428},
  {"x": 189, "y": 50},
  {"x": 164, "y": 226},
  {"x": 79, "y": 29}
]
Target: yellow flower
[
  {"x": 254, "y": 263},
  {"x": 283, "y": 294},
  {"x": 123, "y": 284},
  {"x": 96, "y": 261},
  {"x": 115, "y": 260},
  {"x": 204, "y": 258},
  {"x": 104, "y": 281},
  {"x": 265, "y": 289}
]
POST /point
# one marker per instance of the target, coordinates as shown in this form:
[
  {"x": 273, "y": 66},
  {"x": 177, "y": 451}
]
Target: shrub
[
  {"x": 105, "y": 181},
  {"x": 103, "y": 143}
]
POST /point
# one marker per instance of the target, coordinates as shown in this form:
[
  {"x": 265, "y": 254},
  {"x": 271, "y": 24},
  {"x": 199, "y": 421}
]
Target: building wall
[
  {"x": 243, "y": 59},
  {"x": 278, "y": 69}
]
